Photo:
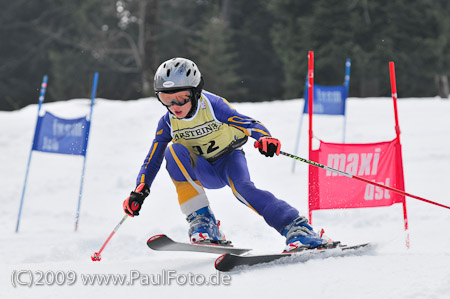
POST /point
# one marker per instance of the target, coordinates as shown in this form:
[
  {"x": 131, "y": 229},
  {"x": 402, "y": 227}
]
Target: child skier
[{"x": 207, "y": 136}]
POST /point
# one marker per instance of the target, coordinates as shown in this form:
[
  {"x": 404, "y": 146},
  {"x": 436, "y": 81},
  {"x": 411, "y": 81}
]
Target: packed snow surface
[{"x": 121, "y": 135}]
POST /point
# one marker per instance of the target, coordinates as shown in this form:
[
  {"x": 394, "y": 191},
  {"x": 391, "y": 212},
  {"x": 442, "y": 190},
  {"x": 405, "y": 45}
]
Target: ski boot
[
  {"x": 300, "y": 236},
  {"x": 204, "y": 229}
]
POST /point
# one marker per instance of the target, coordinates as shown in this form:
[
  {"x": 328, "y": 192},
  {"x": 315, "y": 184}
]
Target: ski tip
[
  {"x": 154, "y": 238},
  {"x": 222, "y": 263},
  {"x": 220, "y": 259}
]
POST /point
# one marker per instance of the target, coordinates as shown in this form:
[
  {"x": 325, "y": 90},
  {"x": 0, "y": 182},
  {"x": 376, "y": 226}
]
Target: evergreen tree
[
  {"x": 216, "y": 58},
  {"x": 291, "y": 36},
  {"x": 331, "y": 40},
  {"x": 400, "y": 32},
  {"x": 23, "y": 57},
  {"x": 259, "y": 69},
  {"x": 125, "y": 40}
]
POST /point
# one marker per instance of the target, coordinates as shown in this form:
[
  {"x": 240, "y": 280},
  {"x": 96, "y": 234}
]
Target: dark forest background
[{"x": 250, "y": 50}]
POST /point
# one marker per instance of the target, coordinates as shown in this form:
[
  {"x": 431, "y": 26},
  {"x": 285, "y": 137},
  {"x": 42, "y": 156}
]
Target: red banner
[{"x": 378, "y": 162}]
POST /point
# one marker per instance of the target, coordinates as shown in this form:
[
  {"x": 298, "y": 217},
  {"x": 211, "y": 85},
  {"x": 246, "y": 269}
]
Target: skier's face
[
  {"x": 177, "y": 102},
  {"x": 181, "y": 111}
]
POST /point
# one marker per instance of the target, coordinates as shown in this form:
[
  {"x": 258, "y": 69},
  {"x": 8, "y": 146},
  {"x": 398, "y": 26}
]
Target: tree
[
  {"x": 22, "y": 52},
  {"x": 259, "y": 68},
  {"x": 215, "y": 58},
  {"x": 332, "y": 40},
  {"x": 371, "y": 33},
  {"x": 408, "y": 38},
  {"x": 125, "y": 40},
  {"x": 291, "y": 37}
]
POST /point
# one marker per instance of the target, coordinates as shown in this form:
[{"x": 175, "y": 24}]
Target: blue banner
[
  {"x": 62, "y": 136},
  {"x": 327, "y": 99}
]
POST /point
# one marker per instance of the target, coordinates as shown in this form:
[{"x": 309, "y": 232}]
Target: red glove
[
  {"x": 134, "y": 202},
  {"x": 268, "y": 146}
]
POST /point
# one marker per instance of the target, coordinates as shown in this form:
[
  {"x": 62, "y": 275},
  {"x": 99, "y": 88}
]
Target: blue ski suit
[{"x": 206, "y": 152}]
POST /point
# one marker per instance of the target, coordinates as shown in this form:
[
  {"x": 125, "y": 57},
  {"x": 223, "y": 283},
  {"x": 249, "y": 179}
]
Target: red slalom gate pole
[
  {"x": 97, "y": 255},
  {"x": 397, "y": 132},
  {"x": 258, "y": 145},
  {"x": 310, "y": 94},
  {"x": 394, "y": 97},
  {"x": 310, "y": 111}
]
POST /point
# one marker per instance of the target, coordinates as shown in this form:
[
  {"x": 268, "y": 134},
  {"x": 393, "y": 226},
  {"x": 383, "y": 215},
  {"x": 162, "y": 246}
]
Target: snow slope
[{"x": 120, "y": 136}]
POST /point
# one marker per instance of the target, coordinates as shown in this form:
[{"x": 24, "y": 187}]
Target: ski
[
  {"x": 228, "y": 262},
  {"x": 164, "y": 243}
]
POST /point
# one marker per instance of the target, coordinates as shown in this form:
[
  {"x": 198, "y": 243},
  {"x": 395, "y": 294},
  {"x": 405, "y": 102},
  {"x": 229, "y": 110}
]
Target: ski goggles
[{"x": 178, "y": 98}]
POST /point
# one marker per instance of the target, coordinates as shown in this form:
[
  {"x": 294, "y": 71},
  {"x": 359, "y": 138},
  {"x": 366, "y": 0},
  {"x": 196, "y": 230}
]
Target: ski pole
[
  {"x": 258, "y": 145},
  {"x": 97, "y": 255}
]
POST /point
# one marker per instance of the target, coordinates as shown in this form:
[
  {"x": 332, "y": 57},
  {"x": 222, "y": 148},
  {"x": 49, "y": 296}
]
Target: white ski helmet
[{"x": 177, "y": 74}]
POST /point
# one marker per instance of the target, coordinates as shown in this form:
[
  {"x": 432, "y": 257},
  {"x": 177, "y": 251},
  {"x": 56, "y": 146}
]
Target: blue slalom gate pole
[
  {"x": 41, "y": 101},
  {"x": 94, "y": 92},
  {"x": 348, "y": 64}
]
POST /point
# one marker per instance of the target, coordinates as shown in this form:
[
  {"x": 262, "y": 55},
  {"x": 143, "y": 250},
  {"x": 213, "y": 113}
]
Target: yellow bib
[{"x": 204, "y": 135}]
